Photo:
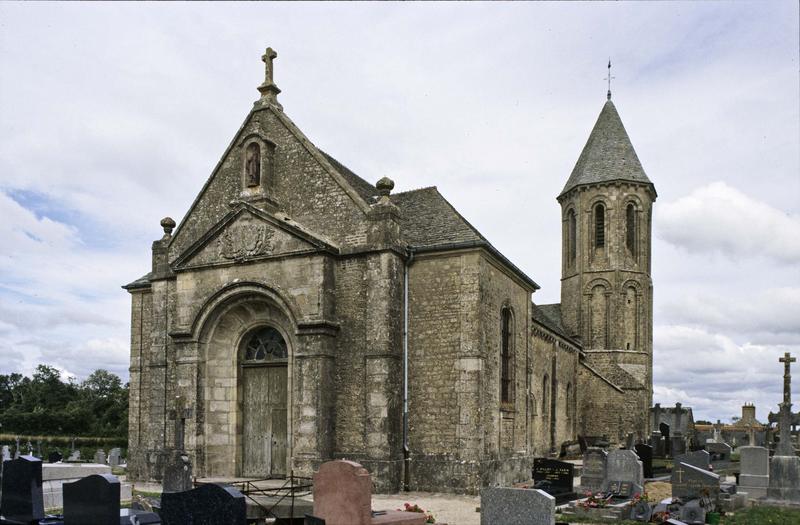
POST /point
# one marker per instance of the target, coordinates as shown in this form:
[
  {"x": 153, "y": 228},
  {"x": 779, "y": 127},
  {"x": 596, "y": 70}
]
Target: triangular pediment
[{"x": 247, "y": 233}]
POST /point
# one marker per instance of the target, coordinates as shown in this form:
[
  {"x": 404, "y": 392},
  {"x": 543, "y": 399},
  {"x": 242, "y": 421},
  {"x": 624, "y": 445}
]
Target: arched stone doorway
[
  {"x": 248, "y": 344},
  {"x": 264, "y": 379}
]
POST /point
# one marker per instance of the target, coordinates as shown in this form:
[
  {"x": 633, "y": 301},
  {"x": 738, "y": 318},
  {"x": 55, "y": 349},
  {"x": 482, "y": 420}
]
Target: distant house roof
[{"x": 608, "y": 154}]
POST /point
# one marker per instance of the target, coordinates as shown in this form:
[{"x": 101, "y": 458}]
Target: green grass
[
  {"x": 146, "y": 494},
  {"x": 762, "y": 516}
]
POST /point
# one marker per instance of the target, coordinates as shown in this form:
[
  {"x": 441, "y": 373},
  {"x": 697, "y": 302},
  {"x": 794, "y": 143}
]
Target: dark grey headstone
[
  {"x": 657, "y": 442},
  {"x": 784, "y": 478},
  {"x": 22, "y": 498},
  {"x": 593, "y": 473},
  {"x": 517, "y": 507},
  {"x": 690, "y": 482},
  {"x": 698, "y": 458},
  {"x": 177, "y": 472},
  {"x": 207, "y": 504},
  {"x": 54, "y": 457},
  {"x": 93, "y": 499},
  {"x": 677, "y": 445},
  {"x": 559, "y": 474},
  {"x": 645, "y": 453}
]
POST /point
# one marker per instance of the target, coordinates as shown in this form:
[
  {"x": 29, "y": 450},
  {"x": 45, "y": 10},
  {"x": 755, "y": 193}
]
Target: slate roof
[
  {"x": 608, "y": 154},
  {"x": 549, "y": 315},
  {"x": 366, "y": 190}
]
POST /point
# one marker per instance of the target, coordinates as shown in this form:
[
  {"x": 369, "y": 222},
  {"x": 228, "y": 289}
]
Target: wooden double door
[{"x": 264, "y": 437}]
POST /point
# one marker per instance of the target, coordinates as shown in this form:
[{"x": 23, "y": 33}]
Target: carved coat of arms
[{"x": 245, "y": 239}]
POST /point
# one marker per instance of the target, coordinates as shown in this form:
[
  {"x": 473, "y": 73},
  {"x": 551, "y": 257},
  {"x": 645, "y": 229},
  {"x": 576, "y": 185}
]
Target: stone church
[{"x": 299, "y": 313}]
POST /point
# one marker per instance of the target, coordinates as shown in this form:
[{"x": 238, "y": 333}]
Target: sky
[{"x": 112, "y": 116}]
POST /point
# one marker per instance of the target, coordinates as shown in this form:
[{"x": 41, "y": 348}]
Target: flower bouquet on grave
[
  {"x": 596, "y": 500},
  {"x": 639, "y": 496},
  {"x": 416, "y": 508}
]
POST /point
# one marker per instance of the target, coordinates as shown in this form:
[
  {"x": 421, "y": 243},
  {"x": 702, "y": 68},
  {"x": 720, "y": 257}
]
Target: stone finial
[
  {"x": 384, "y": 186},
  {"x": 269, "y": 91},
  {"x": 168, "y": 224}
]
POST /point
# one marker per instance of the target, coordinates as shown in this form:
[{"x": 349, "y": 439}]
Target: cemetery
[{"x": 657, "y": 482}]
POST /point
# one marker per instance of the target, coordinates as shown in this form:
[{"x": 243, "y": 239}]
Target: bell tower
[{"x": 606, "y": 288}]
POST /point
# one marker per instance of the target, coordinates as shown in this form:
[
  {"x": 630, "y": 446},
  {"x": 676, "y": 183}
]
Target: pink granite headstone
[
  {"x": 343, "y": 493},
  {"x": 343, "y": 496}
]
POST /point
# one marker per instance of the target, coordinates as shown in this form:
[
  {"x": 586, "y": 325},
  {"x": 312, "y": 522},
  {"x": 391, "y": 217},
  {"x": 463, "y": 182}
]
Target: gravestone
[
  {"x": 313, "y": 520},
  {"x": 754, "y": 476},
  {"x": 177, "y": 472},
  {"x": 784, "y": 467},
  {"x": 54, "y": 457},
  {"x": 100, "y": 456},
  {"x": 75, "y": 455},
  {"x": 719, "y": 451},
  {"x": 114, "y": 457},
  {"x": 343, "y": 496},
  {"x": 6, "y": 453},
  {"x": 559, "y": 474},
  {"x": 16, "y": 449},
  {"x": 210, "y": 503},
  {"x": 677, "y": 444},
  {"x": 645, "y": 453},
  {"x": 664, "y": 429},
  {"x": 93, "y": 499},
  {"x": 624, "y": 466},
  {"x": 593, "y": 473},
  {"x": 784, "y": 478},
  {"x": 698, "y": 458},
  {"x": 511, "y": 506},
  {"x": 689, "y": 482},
  {"x": 657, "y": 442},
  {"x": 22, "y": 498}
]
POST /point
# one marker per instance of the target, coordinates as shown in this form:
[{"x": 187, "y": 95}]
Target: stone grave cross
[
  {"x": 180, "y": 415},
  {"x": 784, "y": 447},
  {"x": 787, "y": 361}
]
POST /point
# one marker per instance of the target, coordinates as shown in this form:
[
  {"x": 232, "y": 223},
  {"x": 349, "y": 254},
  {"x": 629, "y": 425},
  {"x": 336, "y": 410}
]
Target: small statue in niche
[{"x": 253, "y": 165}]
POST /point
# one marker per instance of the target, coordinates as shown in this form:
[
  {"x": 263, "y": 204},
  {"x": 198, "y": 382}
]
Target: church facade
[{"x": 299, "y": 314}]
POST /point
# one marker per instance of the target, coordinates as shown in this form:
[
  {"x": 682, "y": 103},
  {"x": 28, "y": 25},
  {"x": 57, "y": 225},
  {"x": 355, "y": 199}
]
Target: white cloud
[
  {"x": 714, "y": 374},
  {"x": 719, "y": 218}
]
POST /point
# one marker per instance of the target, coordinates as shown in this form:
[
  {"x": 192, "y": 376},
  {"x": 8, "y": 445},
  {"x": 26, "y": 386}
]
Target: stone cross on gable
[
  {"x": 179, "y": 416},
  {"x": 787, "y": 361},
  {"x": 269, "y": 91},
  {"x": 268, "y": 56}
]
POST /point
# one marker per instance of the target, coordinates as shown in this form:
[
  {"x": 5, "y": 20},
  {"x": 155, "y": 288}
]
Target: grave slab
[
  {"x": 511, "y": 506},
  {"x": 784, "y": 478},
  {"x": 754, "y": 475},
  {"x": 699, "y": 458},
  {"x": 624, "y": 467},
  {"x": 211, "y": 503}
]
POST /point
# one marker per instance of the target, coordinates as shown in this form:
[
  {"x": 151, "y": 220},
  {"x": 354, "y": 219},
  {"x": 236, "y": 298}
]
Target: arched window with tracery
[
  {"x": 599, "y": 225},
  {"x": 264, "y": 345},
  {"x": 506, "y": 357},
  {"x": 630, "y": 228}
]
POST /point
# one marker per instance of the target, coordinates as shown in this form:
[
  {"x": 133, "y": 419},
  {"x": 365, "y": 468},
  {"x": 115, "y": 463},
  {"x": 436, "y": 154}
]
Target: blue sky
[{"x": 113, "y": 115}]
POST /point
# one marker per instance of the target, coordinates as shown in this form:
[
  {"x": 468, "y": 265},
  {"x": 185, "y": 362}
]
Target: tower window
[
  {"x": 599, "y": 226},
  {"x": 571, "y": 241},
  {"x": 506, "y": 358},
  {"x": 630, "y": 228}
]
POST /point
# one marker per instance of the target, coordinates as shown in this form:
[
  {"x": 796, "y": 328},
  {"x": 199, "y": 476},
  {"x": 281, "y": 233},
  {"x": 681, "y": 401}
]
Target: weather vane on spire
[{"x": 609, "y": 78}]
